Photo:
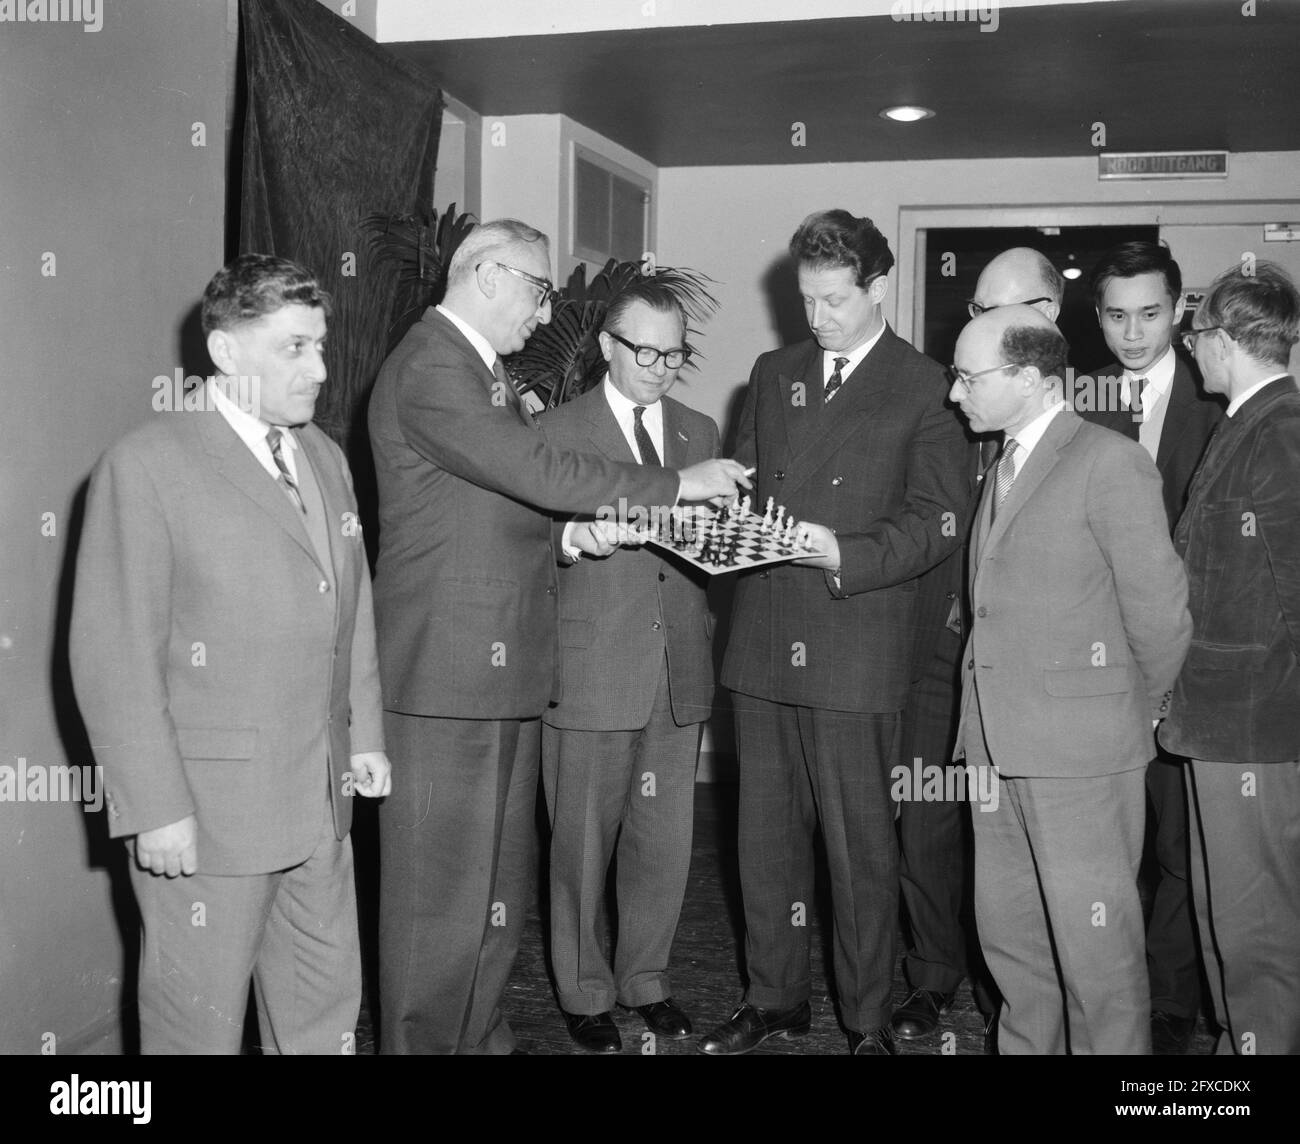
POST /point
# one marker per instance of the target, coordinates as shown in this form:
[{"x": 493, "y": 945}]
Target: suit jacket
[
  {"x": 1190, "y": 418},
  {"x": 1238, "y": 696},
  {"x": 465, "y": 586},
  {"x": 619, "y": 615},
  {"x": 882, "y": 464},
  {"x": 220, "y": 669},
  {"x": 1080, "y": 609}
]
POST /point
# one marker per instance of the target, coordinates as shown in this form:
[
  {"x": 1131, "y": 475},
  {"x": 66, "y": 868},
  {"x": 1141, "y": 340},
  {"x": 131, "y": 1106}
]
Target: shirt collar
[
  {"x": 1031, "y": 434},
  {"x": 1241, "y": 398},
  {"x": 252, "y": 430},
  {"x": 1160, "y": 375},
  {"x": 477, "y": 340},
  {"x": 623, "y": 405},
  {"x": 854, "y": 355}
]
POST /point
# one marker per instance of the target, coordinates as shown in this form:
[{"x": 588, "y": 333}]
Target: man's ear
[
  {"x": 1179, "y": 307},
  {"x": 221, "y": 350},
  {"x": 878, "y": 288},
  {"x": 486, "y": 276},
  {"x": 1052, "y": 310},
  {"x": 606, "y": 345}
]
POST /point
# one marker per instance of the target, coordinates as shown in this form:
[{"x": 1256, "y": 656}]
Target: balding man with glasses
[{"x": 465, "y": 602}]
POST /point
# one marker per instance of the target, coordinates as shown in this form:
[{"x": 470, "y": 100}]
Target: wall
[
  {"x": 733, "y": 223},
  {"x": 100, "y": 171}
]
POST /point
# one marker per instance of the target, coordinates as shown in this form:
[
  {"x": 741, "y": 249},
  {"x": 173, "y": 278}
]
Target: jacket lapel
[
  {"x": 236, "y": 464},
  {"x": 1041, "y": 461},
  {"x": 1231, "y": 431},
  {"x": 677, "y": 442},
  {"x": 1182, "y": 397},
  {"x": 602, "y": 427},
  {"x": 487, "y": 378},
  {"x": 801, "y": 399},
  {"x": 331, "y": 494}
]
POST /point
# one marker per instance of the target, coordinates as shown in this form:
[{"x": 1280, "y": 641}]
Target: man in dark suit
[
  {"x": 619, "y": 748},
  {"x": 1236, "y": 706},
  {"x": 223, "y": 651},
  {"x": 848, "y": 430},
  {"x": 934, "y": 834},
  {"x": 1153, "y": 394},
  {"x": 1080, "y": 626},
  {"x": 465, "y": 602}
]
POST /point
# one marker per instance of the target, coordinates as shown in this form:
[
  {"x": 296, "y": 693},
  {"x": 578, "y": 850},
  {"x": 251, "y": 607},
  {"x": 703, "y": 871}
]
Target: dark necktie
[
  {"x": 836, "y": 379},
  {"x": 1005, "y": 475},
  {"x": 286, "y": 482},
  {"x": 646, "y": 447}
]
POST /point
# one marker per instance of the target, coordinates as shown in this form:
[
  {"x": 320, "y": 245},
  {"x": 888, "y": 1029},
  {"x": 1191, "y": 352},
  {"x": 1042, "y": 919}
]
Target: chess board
[{"x": 731, "y": 540}]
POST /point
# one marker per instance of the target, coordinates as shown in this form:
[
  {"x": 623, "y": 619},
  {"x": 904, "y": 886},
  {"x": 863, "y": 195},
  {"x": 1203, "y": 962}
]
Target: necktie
[
  {"x": 1005, "y": 475},
  {"x": 836, "y": 379},
  {"x": 646, "y": 447},
  {"x": 508, "y": 391},
  {"x": 286, "y": 482}
]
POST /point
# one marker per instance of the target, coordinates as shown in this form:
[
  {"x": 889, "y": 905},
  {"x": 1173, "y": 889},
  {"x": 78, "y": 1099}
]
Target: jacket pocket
[
  {"x": 1078, "y": 682},
  {"x": 234, "y": 743}
]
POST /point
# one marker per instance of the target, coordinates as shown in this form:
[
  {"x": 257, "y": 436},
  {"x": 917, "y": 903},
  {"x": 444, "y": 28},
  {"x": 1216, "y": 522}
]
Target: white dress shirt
[
  {"x": 252, "y": 431},
  {"x": 1030, "y": 435},
  {"x": 854, "y": 355},
  {"x": 624, "y": 408},
  {"x": 1155, "y": 398}
]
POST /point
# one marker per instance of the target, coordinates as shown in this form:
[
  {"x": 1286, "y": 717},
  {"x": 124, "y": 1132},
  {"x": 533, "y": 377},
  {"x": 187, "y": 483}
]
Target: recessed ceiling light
[
  {"x": 1072, "y": 272},
  {"x": 906, "y": 113}
]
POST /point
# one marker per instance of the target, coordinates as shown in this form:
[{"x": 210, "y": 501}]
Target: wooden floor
[{"x": 705, "y": 974}]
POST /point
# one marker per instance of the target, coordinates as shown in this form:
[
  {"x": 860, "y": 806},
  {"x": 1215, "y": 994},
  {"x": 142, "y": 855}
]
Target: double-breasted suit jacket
[{"x": 883, "y": 465}]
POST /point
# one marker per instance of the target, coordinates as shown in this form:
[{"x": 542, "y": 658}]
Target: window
[{"x": 610, "y": 209}]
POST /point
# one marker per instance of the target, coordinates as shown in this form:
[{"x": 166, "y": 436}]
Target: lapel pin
[{"x": 682, "y": 435}]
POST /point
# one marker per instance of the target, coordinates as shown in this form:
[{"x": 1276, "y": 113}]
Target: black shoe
[
  {"x": 663, "y": 1018},
  {"x": 595, "y": 1032},
  {"x": 1171, "y": 1036},
  {"x": 919, "y": 1015},
  {"x": 991, "y": 1035},
  {"x": 749, "y": 1027},
  {"x": 877, "y": 1043}
]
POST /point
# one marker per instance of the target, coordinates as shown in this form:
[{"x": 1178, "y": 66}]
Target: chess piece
[{"x": 767, "y": 514}]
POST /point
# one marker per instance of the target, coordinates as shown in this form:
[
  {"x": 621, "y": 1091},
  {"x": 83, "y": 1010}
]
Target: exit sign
[{"x": 1163, "y": 165}]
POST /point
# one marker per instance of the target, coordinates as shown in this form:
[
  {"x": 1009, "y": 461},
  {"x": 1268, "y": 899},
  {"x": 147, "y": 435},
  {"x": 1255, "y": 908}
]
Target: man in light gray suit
[
  {"x": 619, "y": 748},
  {"x": 1080, "y": 627}
]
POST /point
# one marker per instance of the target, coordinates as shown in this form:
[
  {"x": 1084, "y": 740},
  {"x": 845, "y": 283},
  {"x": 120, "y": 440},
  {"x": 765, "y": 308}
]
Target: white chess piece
[
  {"x": 744, "y": 505},
  {"x": 767, "y": 514}
]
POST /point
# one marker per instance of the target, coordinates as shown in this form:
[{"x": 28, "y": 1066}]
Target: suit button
[
  {"x": 779, "y": 474},
  {"x": 656, "y": 625},
  {"x": 550, "y": 589},
  {"x": 970, "y": 666},
  {"x": 764, "y": 574},
  {"x": 951, "y": 596},
  {"x": 323, "y": 587},
  {"x": 662, "y": 577},
  {"x": 837, "y": 480},
  {"x": 982, "y": 612}
]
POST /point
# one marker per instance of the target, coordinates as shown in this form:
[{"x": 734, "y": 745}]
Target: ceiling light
[
  {"x": 906, "y": 113},
  {"x": 1072, "y": 272}
]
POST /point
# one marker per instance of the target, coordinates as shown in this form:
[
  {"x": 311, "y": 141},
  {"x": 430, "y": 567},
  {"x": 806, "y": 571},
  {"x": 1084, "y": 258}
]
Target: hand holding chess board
[{"x": 733, "y": 539}]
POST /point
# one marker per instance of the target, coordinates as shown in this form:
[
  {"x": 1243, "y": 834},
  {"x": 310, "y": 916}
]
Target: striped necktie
[
  {"x": 285, "y": 481},
  {"x": 836, "y": 379},
  {"x": 1005, "y": 475}
]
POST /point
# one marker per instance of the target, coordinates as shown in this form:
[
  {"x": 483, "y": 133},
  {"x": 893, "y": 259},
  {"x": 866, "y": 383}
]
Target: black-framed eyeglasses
[
  {"x": 1189, "y": 336},
  {"x": 974, "y": 309},
  {"x": 646, "y": 356},
  {"x": 549, "y": 294},
  {"x": 966, "y": 380}
]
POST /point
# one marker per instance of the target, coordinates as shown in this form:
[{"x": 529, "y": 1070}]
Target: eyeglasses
[
  {"x": 549, "y": 295},
  {"x": 1190, "y": 336},
  {"x": 974, "y": 309},
  {"x": 646, "y": 356},
  {"x": 966, "y": 380}
]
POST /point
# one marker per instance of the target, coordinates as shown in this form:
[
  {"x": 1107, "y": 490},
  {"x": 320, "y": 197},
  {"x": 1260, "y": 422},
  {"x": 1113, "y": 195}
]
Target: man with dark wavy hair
[
  {"x": 1080, "y": 625},
  {"x": 1236, "y": 706},
  {"x": 848, "y": 430}
]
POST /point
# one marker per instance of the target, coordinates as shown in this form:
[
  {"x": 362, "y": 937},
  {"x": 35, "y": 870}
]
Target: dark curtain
[{"x": 336, "y": 128}]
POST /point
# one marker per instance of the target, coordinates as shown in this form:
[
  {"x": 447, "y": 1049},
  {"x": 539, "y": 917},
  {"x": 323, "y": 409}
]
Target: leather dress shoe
[
  {"x": 595, "y": 1032},
  {"x": 663, "y": 1018},
  {"x": 750, "y": 1026},
  {"x": 877, "y": 1043},
  {"x": 919, "y": 1015},
  {"x": 1171, "y": 1035}
]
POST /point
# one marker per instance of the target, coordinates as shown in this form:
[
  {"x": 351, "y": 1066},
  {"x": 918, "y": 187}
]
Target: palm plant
[
  {"x": 420, "y": 248},
  {"x": 563, "y": 359}
]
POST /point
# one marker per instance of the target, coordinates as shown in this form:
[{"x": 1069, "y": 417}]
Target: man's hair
[
  {"x": 1261, "y": 311},
  {"x": 1037, "y": 346},
  {"x": 255, "y": 285},
  {"x": 657, "y": 295},
  {"x": 488, "y": 240},
  {"x": 837, "y": 238},
  {"x": 1128, "y": 260}
]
